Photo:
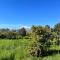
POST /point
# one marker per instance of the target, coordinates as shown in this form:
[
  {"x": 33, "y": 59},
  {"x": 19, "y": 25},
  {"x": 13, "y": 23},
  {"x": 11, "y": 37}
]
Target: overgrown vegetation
[
  {"x": 39, "y": 43},
  {"x": 42, "y": 38}
]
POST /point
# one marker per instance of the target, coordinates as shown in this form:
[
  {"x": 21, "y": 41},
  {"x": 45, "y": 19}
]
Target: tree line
[
  {"x": 22, "y": 32},
  {"x": 12, "y": 33}
]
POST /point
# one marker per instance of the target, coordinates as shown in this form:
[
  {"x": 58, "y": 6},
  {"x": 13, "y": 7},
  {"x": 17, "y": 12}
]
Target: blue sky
[{"x": 15, "y": 13}]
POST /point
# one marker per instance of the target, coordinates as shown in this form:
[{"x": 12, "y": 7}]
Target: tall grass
[{"x": 18, "y": 50}]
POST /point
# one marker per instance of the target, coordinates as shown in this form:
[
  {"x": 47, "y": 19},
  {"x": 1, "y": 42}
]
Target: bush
[
  {"x": 40, "y": 41},
  {"x": 26, "y": 37}
]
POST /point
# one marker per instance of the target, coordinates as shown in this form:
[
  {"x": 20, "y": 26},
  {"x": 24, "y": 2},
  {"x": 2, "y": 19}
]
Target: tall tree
[
  {"x": 57, "y": 28},
  {"x": 22, "y": 31}
]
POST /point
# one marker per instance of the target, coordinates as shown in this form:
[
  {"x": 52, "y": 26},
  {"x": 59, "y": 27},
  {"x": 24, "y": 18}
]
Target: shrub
[{"x": 40, "y": 41}]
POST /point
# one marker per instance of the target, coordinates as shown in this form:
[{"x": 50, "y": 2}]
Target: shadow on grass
[
  {"x": 53, "y": 52},
  {"x": 50, "y": 53}
]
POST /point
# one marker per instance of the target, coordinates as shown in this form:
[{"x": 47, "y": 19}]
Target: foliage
[
  {"x": 41, "y": 41},
  {"x": 22, "y": 32},
  {"x": 17, "y": 50},
  {"x": 57, "y": 28},
  {"x": 12, "y": 34},
  {"x": 41, "y": 37}
]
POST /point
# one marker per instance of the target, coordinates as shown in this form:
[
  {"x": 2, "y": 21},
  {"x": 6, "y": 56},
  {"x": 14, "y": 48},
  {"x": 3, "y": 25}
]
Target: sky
[{"x": 19, "y": 13}]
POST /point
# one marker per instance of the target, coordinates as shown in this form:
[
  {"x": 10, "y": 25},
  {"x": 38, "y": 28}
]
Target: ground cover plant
[{"x": 39, "y": 43}]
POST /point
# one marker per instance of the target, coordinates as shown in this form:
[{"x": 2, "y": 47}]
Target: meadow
[{"x": 17, "y": 49}]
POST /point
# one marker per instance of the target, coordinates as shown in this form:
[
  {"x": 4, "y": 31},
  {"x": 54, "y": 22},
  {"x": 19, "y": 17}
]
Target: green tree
[
  {"x": 47, "y": 26},
  {"x": 22, "y": 32},
  {"x": 40, "y": 40},
  {"x": 57, "y": 28}
]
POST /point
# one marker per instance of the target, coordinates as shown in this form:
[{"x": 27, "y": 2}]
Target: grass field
[{"x": 18, "y": 50}]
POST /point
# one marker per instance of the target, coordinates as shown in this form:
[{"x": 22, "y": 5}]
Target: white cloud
[
  {"x": 28, "y": 27},
  {"x": 13, "y": 26}
]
